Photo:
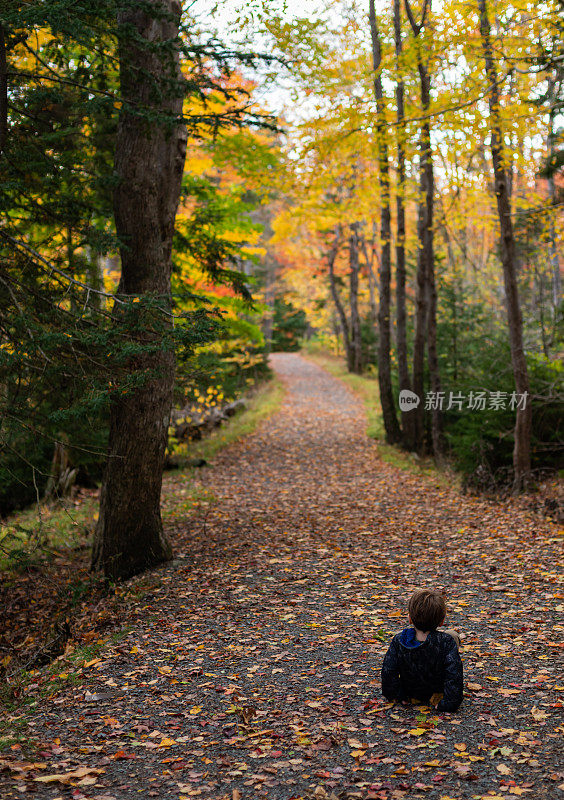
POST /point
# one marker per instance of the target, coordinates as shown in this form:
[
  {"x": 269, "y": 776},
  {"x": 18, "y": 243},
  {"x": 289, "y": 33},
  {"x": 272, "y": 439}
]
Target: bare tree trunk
[
  {"x": 149, "y": 162},
  {"x": 337, "y": 332},
  {"x": 269, "y": 297},
  {"x": 426, "y": 320},
  {"x": 332, "y": 255},
  {"x": 355, "y": 330},
  {"x": 369, "y": 259},
  {"x": 391, "y": 425},
  {"x": 401, "y": 313},
  {"x": 538, "y": 286},
  {"x": 553, "y": 250},
  {"x": 522, "y": 448},
  {"x": 452, "y": 265},
  {"x": 434, "y": 374},
  {"x": 62, "y": 474}
]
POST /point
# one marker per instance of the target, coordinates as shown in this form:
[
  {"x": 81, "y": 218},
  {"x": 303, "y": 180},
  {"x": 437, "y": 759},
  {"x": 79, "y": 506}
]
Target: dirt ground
[{"x": 251, "y": 669}]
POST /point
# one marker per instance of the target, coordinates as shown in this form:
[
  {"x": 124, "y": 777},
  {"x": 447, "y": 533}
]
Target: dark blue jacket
[{"x": 417, "y": 670}]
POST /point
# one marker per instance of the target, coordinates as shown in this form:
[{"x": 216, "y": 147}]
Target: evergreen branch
[{"x": 47, "y": 265}]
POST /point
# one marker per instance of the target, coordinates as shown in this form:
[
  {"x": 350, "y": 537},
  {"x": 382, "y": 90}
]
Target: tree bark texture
[
  {"x": 391, "y": 425},
  {"x": 369, "y": 260},
  {"x": 355, "y": 329},
  {"x": 149, "y": 162},
  {"x": 426, "y": 303},
  {"x": 331, "y": 257},
  {"x": 401, "y": 313},
  {"x": 553, "y": 250},
  {"x": 523, "y": 421}
]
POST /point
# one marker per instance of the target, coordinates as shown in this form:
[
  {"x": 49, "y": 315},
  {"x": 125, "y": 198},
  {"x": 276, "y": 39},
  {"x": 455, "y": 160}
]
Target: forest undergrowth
[{"x": 52, "y": 604}]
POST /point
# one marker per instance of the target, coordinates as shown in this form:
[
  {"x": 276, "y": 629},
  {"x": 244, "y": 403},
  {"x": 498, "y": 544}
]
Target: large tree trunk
[
  {"x": 391, "y": 425},
  {"x": 149, "y": 162},
  {"x": 356, "y": 334},
  {"x": 401, "y": 314},
  {"x": 553, "y": 250},
  {"x": 522, "y": 447},
  {"x": 426, "y": 320},
  {"x": 421, "y": 299},
  {"x": 434, "y": 375}
]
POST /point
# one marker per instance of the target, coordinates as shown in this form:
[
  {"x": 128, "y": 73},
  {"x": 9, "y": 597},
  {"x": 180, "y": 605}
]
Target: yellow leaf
[
  {"x": 417, "y": 731},
  {"x": 166, "y": 742},
  {"x": 66, "y": 777},
  {"x": 492, "y": 797},
  {"x": 461, "y": 746},
  {"x": 355, "y": 743},
  {"x": 195, "y": 710}
]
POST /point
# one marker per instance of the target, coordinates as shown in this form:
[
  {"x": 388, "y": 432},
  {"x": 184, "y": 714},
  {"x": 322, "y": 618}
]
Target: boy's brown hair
[{"x": 427, "y": 609}]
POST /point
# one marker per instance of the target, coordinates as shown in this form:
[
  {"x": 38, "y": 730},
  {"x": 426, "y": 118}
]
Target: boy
[{"x": 423, "y": 662}]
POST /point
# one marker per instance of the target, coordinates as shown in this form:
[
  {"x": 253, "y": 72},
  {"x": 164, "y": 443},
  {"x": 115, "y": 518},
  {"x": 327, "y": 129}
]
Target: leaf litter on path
[{"x": 252, "y": 670}]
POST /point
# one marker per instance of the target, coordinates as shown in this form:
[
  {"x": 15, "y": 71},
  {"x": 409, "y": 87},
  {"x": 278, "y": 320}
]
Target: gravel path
[{"x": 252, "y": 665}]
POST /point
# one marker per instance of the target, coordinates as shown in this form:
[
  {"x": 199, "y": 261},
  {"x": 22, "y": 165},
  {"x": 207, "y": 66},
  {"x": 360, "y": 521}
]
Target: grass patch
[
  {"x": 366, "y": 387},
  {"x": 13, "y": 731},
  {"x": 30, "y": 688},
  {"x": 29, "y": 536}
]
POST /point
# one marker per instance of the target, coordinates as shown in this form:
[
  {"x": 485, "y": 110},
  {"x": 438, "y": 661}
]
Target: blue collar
[{"x": 408, "y": 638}]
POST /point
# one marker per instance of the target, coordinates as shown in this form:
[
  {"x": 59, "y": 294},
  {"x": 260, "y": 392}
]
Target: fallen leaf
[
  {"x": 67, "y": 777},
  {"x": 355, "y": 744}
]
